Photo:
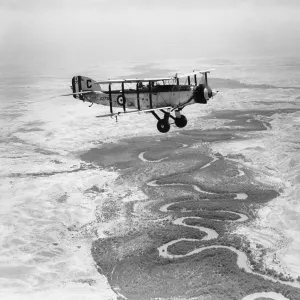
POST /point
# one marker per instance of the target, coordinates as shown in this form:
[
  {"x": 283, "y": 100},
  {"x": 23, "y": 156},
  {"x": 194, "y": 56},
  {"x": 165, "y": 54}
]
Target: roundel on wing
[{"x": 121, "y": 100}]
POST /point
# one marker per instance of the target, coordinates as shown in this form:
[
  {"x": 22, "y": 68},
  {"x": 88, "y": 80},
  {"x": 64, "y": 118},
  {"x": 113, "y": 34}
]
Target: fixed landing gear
[
  {"x": 163, "y": 125},
  {"x": 181, "y": 121}
]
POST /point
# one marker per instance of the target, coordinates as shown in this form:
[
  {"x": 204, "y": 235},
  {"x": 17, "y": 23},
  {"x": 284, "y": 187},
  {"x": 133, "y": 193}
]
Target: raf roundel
[{"x": 121, "y": 100}]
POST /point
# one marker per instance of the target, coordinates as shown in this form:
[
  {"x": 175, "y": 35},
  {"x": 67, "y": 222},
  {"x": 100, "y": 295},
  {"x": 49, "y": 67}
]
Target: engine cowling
[{"x": 202, "y": 93}]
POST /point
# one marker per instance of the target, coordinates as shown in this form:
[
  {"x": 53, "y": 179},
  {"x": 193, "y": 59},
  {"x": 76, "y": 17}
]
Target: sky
[{"x": 57, "y": 34}]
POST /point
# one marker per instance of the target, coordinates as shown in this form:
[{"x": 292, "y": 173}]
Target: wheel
[
  {"x": 163, "y": 126},
  {"x": 181, "y": 122}
]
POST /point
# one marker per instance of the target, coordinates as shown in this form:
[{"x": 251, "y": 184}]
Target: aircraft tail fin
[{"x": 85, "y": 85}]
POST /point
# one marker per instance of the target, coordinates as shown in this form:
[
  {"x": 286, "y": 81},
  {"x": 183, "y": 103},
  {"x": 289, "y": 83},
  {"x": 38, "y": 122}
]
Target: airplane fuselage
[
  {"x": 164, "y": 94},
  {"x": 158, "y": 96}
]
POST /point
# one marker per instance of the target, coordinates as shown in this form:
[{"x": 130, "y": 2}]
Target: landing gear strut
[{"x": 163, "y": 125}]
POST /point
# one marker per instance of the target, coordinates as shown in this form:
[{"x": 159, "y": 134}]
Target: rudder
[{"x": 83, "y": 84}]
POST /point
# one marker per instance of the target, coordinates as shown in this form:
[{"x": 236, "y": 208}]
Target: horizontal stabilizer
[
  {"x": 78, "y": 93},
  {"x": 83, "y": 92}
]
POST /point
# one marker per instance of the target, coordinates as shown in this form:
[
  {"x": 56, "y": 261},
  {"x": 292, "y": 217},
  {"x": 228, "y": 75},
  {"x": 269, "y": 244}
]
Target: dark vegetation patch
[
  {"x": 249, "y": 124},
  {"x": 246, "y": 120},
  {"x": 11, "y": 116},
  {"x": 63, "y": 198},
  {"x": 45, "y": 151},
  {"x": 90, "y": 282},
  {"x": 124, "y": 154},
  {"x": 173, "y": 208},
  {"x": 257, "y": 196},
  {"x": 109, "y": 155},
  {"x": 55, "y": 161},
  {"x": 206, "y": 207},
  {"x": 207, "y": 135},
  {"x": 183, "y": 247},
  {"x": 107, "y": 252},
  {"x": 48, "y": 174},
  {"x": 35, "y": 123},
  {"x": 109, "y": 210},
  {"x": 236, "y": 115},
  {"x": 238, "y": 156},
  {"x": 94, "y": 189},
  {"x": 220, "y": 190},
  {"x": 16, "y": 140},
  {"x": 186, "y": 203},
  {"x": 33, "y": 129},
  {"x": 183, "y": 182},
  {"x": 276, "y": 102},
  {"x": 216, "y": 215},
  {"x": 208, "y": 223},
  {"x": 213, "y": 272}
]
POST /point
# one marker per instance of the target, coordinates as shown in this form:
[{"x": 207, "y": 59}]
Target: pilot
[{"x": 140, "y": 85}]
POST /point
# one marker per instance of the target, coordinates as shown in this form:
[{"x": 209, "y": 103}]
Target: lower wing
[{"x": 133, "y": 111}]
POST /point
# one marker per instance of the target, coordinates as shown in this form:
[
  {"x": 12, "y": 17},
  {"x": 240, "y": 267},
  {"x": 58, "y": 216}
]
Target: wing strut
[
  {"x": 150, "y": 94},
  {"x": 189, "y": 80},
  {"x": 138, "y": 96},
  {"x": 195, "y": 78},
  {"x": 110, "y": 98},
  {"x": 123, "y": 96}
]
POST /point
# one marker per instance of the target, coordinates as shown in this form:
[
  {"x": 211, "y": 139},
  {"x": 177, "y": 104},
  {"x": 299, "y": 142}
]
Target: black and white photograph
[{"x": 149, "y": 150}]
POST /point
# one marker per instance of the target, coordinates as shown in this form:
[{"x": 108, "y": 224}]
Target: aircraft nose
[
  {"x": 202, "y": 93},
  {"x": 209, "y": 93},
  {"x": 214, "y": 93}
]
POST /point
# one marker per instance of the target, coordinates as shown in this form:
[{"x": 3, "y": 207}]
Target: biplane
[{"x": 149, "y": 95}]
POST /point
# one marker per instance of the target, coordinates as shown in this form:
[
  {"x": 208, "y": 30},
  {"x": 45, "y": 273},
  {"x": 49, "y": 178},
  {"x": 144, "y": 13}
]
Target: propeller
[{"x": 203, "y": 91}]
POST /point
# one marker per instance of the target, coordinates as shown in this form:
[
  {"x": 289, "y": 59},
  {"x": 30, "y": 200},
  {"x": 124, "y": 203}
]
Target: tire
[
  {"x": 163, "y": 126},
  {"x": 120, "y": 100},
  {"x": 181, "y": 122}
]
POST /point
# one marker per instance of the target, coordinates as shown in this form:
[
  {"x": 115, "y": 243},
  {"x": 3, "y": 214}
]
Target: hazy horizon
[{"x": 51, "y": 35}]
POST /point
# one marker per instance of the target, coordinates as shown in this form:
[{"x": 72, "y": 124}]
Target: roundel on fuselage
[{"x": 121, "y": 100}]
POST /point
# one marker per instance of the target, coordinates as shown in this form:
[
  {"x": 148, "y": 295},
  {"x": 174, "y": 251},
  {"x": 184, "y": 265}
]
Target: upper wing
[
  {"x": 133, "y": 80},
  {"x": 194, "y": 73}
]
